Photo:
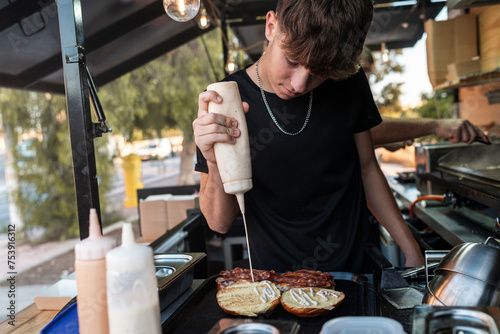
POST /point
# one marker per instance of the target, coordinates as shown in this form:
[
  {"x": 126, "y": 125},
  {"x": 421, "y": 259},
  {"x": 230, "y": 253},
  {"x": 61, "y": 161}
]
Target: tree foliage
[
  {"x": 159, "y": 96},
  {"x": 46, "y": 193},
  {"x": 436, "y": 105},
  {"x": 387, "y": 98},
  {"x": 390, "y": 66},
  {"x": 162, "y": 94}
]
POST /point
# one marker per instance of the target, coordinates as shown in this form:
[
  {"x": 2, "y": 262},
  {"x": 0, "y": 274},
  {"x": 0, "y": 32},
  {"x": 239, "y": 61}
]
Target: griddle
[
  {"x": 477, "y": 163},
  {"x": 201, "y": 312}
]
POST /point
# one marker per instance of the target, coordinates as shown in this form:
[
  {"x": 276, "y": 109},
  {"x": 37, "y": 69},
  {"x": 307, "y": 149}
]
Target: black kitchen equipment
[
  {"x": 393, "y": 286},
  {"x": 201, "y": 312}
]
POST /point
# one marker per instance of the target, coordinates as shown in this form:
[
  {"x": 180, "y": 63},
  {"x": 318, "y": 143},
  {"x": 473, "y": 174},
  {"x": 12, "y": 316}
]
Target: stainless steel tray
[{"x": 174, "y": 273}]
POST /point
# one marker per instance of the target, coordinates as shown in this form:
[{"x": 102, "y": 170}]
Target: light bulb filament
[{"x": 182, "y": 7}]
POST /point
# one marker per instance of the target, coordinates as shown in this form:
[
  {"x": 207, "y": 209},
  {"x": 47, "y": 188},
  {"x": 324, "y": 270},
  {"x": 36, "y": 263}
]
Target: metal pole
[
  {"x": 225, "y": 41},
  {"x": 79, "y": 116}
]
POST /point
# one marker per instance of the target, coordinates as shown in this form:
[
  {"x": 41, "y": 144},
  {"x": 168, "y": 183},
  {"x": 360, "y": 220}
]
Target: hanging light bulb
[
  {"x": 385, "y": 53},
  {"x": 181, "y": 10},
  {"x": 231, "y": 65},
  {"x": 204, "y": 20}
]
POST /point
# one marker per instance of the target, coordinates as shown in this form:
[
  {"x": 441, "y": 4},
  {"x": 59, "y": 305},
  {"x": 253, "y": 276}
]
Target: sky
[{"x": 415, "y": 76}]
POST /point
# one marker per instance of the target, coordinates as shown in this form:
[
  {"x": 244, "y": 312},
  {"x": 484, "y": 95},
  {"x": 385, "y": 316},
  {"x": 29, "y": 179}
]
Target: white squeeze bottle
[
  {"x": 133, "y": 301},
  {"x": 90, "y": 271},
  {"x": 233, "y": 160}
]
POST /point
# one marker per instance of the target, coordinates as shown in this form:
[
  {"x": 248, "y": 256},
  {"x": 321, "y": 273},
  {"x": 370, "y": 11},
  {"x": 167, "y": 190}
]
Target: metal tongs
[{"x": 413, "y": 272}]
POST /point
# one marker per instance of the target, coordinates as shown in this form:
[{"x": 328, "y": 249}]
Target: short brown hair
[{"x": 325, "y": 36}]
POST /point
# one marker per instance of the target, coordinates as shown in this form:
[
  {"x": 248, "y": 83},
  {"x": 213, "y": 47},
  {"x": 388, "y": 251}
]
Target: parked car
[{"x": 155, "y": 151}]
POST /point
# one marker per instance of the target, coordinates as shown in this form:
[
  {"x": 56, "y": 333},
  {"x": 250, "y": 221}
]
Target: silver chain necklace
[{"x": 269, "y": 109}]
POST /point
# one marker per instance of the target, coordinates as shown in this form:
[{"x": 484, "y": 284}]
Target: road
[
  {"x": 4, "y": 204},
  {"x": 155, "y": 173}
]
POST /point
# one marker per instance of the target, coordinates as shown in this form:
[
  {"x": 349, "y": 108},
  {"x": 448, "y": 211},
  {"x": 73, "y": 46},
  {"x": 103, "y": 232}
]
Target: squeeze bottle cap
[
  {"x": 129, "y": 257},
  {"x": 96, "y": 245},
  {"x": 237, "y": 187}
]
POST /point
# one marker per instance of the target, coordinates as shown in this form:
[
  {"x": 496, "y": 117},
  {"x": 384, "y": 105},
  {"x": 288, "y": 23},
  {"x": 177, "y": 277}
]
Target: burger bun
[
  {"x": 248, "y": 298},
  {"x": 311, "y": 301}
]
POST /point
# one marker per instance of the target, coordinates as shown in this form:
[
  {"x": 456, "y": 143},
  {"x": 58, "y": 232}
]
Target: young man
[{"x": 310, "y": 111}]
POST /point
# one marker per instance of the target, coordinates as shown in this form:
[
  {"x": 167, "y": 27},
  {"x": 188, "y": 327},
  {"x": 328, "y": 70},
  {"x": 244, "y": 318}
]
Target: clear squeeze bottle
[
  {"x": 233, "y": 160},
  {"x": 133, "y": 300},
  {"x": 90, "y": 270}
]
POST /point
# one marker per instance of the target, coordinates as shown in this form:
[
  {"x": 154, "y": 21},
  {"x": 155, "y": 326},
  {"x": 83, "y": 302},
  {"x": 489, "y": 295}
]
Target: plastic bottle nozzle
[
  {"x": 240, "y": 197},
  {"x": 127, "y": 235},
  {"x": 94, "y": 227}
]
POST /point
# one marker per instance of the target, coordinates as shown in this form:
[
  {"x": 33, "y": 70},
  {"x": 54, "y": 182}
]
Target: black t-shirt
[{"x": 307, "y": 208}]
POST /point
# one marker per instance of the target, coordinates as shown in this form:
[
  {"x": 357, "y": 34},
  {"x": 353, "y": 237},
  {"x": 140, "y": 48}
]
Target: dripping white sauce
[{"x": 241, "y": 202}]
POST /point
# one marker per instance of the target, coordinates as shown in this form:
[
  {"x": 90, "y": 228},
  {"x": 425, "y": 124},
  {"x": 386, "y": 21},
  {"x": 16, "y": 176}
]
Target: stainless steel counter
[{"x": 453, "y": 227}]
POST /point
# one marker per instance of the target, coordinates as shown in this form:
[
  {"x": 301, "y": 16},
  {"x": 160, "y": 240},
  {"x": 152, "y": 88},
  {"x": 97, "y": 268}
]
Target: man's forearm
[
  {"x": 383, "y": 206},
  {"x": 393, "y": 130},
  {"x": 220, "y": 209}
]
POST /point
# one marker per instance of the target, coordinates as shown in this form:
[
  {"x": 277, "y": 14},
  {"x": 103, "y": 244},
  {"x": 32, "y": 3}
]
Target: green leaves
[{"x": 163, "y": 94}]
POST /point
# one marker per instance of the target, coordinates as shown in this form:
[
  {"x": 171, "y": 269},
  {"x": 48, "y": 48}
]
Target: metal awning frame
[{"x": 81, "y": 127}]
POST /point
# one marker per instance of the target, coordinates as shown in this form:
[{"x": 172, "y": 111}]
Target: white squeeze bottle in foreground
[
  {"x": 133, "y": 301},
  {"x": 90, "y": 271},
  {"x": 233, "y": 160}
]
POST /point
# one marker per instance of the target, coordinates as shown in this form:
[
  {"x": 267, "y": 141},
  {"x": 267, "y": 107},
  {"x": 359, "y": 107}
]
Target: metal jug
[{"x": 468, "y": 275}]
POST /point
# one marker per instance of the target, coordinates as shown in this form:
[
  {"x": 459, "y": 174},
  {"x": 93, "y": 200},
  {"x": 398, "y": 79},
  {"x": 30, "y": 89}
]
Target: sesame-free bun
[
  {"x": 248, "y": 298},
  {"x": 311, "y": 301}
]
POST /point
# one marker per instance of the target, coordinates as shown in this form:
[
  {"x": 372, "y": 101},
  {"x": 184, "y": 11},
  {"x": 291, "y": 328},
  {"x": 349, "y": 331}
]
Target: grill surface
[{"x": 201, "y": 312}]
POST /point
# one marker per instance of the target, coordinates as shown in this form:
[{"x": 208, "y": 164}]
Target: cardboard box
[
  {"x": 466, "y": 39},
  {"x": 440, "y": 45},
  {"x": 159, "y": 213},
  {"x": 51, "y": 303},
  {"x": 464, "y": 69},
  {"x": 489, "y": 30},
  {"x": 448, "y": 42},
  {"x": 57, "y": 295}
]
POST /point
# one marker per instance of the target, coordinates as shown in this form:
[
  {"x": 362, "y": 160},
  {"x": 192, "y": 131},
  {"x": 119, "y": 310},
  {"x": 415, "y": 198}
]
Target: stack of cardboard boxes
[
  {"x": 160, "y": 213},
  {"x": 452, "y": 49},
  {"x": 466, "y": 45}
]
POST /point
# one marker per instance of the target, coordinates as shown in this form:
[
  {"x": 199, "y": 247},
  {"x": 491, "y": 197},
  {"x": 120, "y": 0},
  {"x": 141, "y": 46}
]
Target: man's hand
[{"x": 459, "y": 130}]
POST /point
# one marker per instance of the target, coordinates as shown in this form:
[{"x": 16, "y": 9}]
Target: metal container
[
  {"x": 174, "y": 273},
  {"x": 254, "y": 326},
  {"x": 467, "y": 276},
  {"x": 429, "y": 319},
  {"x": 460, "y": 321},
  {"x": 252, "y": 329}
]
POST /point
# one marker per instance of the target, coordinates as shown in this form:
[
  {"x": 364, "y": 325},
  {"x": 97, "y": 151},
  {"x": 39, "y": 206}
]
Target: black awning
[{"x": 121, "y": 35}]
